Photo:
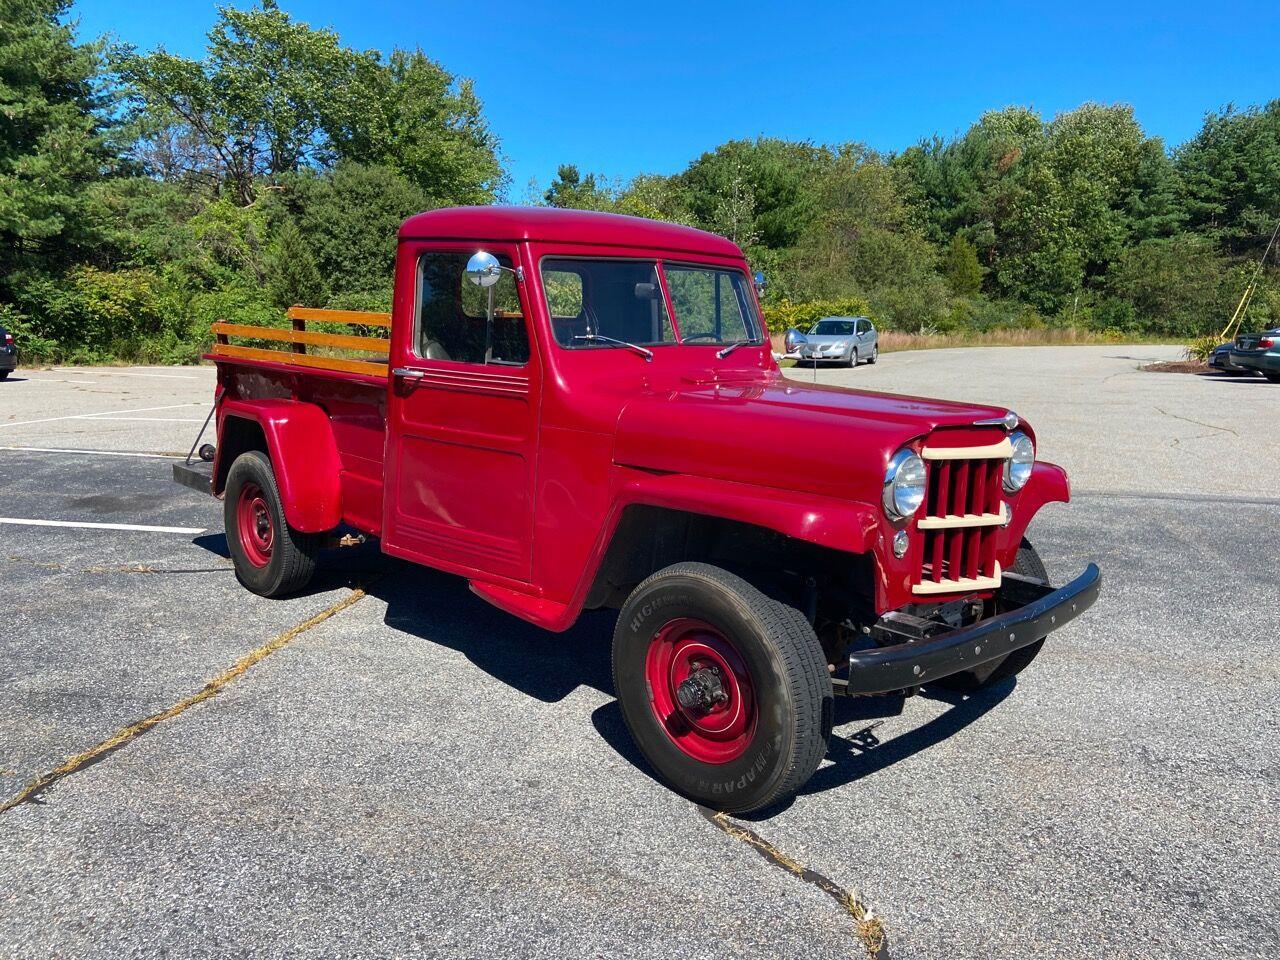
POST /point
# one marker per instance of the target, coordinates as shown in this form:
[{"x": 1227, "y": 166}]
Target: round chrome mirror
[
  {"x": 483, "y": 269},
  {"x": 793, "y": 339},
  {"x": 758, "y": 280}
]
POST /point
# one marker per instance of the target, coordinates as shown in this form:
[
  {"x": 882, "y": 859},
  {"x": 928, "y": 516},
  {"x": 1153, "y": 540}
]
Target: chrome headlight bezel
[
  {"x": 904, "y": 485},
  {"x": 1017, "y": 469}
]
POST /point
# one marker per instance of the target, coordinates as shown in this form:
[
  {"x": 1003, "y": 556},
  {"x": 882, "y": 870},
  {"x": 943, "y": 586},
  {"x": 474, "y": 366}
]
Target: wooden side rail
[{"x": 298, "y": 337}]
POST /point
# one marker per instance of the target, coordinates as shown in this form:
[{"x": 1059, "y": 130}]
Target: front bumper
[
  {"x": 1264, "y": 361},
  {"x": 1036, "y": 611}
]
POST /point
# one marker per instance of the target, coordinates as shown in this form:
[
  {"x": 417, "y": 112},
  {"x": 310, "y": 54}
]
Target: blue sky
[{"x": 623, "y": 89}]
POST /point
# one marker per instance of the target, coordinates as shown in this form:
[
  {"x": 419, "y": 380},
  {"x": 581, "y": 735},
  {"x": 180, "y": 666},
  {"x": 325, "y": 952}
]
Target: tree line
[{"x": 144, "y": 195}]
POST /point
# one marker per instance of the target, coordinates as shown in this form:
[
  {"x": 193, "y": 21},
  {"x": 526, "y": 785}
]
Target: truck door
[{"x": 461, "y": 432}]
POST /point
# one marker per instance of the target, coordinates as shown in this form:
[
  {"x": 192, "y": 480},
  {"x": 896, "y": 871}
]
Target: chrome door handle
[{"x": 407, "y": 372}]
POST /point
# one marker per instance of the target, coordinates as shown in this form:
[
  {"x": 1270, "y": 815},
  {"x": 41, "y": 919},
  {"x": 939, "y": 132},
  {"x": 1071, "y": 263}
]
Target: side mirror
[
  {"x": 793, "y": 339},
  {"x": 758, "y": 279},
  {"x": 483, "y": 269}
]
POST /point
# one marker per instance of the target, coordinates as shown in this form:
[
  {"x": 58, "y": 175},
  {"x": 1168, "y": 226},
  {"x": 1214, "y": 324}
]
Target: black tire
[
  {"x": 1028, "y": 564},
  {"x": 4, "y": 374},
  {"x": 875, "y": 355},
  {"x": 292, "y": 558},
  {"x": 1272, "y": 376},
  {"x": 789, "y": 685}
]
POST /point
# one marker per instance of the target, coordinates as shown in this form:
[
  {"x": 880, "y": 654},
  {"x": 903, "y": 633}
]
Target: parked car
[
  {"x": 1220, "y": 360},
  {"x": 578, "y": 410},
  {"x": 846, "y": 340},
  {"x": 1259, "y": 352},
  {"x": 8, "y": 353}
]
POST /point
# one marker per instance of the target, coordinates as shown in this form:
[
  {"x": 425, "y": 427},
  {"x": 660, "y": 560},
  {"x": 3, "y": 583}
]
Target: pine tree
[
  {"x": 51, "y": 137},
  {"x": 961, "y": 266},
  {"x": 293, "y": 275}
]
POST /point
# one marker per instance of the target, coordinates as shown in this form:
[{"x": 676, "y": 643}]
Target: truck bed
[{"x": 352, "y": 393}]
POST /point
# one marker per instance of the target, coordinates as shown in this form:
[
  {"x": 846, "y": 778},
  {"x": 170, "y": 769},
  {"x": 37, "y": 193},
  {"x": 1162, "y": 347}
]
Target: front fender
[
  {"x": 1048, "y": 484},
  {"x": 304, "y": 456},
  {"x": 839, "y": 524}
]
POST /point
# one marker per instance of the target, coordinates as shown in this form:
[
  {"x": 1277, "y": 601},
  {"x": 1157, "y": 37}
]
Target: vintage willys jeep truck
[{"x": 577, "y": 410}]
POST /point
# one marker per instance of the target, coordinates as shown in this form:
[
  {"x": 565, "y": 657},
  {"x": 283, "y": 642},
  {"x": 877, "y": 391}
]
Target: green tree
[
  {"x": 961, "y": 267},
  {"x": 572, "y": 190},
  {"x": 410, "y": 114},
  {"x": 350, "y": 216},
  {"x": 52, "y": 145},
  {"x": 292, "y": 274},
  {"x": 1231, "y": 175}
]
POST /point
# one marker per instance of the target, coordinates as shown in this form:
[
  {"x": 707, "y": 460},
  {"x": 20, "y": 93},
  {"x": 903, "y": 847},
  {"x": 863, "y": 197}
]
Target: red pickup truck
[{"x": 577, "y": 410}]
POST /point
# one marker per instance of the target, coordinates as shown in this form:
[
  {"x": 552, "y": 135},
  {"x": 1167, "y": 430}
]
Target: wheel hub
[{"x": 701, "y": 691}]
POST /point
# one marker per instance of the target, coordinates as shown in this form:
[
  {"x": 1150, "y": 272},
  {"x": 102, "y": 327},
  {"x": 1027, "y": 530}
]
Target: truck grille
[{"x": 964, "y": 509}]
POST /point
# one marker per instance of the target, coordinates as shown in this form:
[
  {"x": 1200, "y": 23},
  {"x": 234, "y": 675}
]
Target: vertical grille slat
[{"x": 959, "y": 523}]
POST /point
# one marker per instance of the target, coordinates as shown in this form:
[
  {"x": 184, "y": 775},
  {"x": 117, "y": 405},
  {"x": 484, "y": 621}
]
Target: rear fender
[{"x": 304, "y": 456}]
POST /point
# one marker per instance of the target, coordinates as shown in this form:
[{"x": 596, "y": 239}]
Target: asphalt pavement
[{"x": 419, "y": 774}]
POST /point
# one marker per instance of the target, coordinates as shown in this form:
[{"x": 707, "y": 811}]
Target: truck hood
[{"x": 781, "y": 433}]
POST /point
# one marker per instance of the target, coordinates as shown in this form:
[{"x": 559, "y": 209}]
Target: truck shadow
[{"x": 439, "y": 608}]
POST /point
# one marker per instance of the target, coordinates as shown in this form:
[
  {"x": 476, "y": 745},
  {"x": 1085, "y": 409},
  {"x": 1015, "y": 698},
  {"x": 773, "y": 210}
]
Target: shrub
[
  {"x": 1201, "y": 347},
  {"x": 783, "y": 316}
]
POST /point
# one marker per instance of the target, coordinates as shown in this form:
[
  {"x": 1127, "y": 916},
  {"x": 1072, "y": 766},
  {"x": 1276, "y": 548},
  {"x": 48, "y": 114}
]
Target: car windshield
[
  {"x": 832, "y": 328},
  {"x": 594, "y": 301},
  {"x": 711, "y": 305}
]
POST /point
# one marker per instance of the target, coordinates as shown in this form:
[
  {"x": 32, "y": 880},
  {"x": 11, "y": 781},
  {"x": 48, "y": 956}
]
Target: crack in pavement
[
  {"x": 122, "y": 568},
  {"x": 870, "y": 928},
  {"x": 1198, "y": 423},
  {"x": 210, "y": 689}
]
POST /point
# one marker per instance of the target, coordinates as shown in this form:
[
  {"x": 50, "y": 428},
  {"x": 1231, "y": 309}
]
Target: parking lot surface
[{"x": 418, "y": 774}]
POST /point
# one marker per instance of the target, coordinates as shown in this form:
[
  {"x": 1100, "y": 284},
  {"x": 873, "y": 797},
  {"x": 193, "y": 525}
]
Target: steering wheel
[{"x": 701, "y": 336}]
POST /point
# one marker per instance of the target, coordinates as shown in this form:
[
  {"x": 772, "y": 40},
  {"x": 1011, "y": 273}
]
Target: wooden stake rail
[{"x": 299, "y": 337}]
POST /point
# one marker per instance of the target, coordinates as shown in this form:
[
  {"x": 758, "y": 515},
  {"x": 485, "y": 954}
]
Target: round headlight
[
  {"x": 903, "y": 485},
  {"x": 1017, "y": 469}
]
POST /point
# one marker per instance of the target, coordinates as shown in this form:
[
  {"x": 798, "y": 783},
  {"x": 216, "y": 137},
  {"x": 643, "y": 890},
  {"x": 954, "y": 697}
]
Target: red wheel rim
[
  {"x": 253, "y": 518},
  {"x": 721, "y": 726}
]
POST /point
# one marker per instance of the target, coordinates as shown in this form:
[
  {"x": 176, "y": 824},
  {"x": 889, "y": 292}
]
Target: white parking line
[
  {"x": 118, "y": 373},
  {"x": 30, "y": 379},
  {"x": 97, "y": 453},
  {"x": 104, "y": 413},
  {"x": 148, "y": 419},
  {"x": 140, "y": 528}
]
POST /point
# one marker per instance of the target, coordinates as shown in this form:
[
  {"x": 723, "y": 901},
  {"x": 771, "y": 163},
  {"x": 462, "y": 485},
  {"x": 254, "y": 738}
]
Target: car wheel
[
  {"x": 853, "y": 358},
  {"x": 725, "y": 691},
  {"x": 1028, "y": 564},
  {"x": 875, "y": 355},
  {"x": 4, "y": 374},
  {"x": 1272, "y": 377},
  {"x": 271, "y": 558}
]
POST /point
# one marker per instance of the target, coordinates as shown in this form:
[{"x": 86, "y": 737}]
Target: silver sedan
[{"x": 846, "y": 340}]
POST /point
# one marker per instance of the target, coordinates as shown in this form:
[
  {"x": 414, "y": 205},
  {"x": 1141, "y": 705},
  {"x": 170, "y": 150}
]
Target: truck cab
[{"x": 578, "y": 410}]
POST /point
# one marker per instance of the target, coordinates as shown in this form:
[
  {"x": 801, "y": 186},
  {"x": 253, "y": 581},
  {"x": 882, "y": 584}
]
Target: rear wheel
[
  {"x": 271, "y": 558},
  {"x": 1028, "y": 564},
  {"x": 4, "y": 374},
  {"x": 1272, "y": 376},
  {"x": 725, "y": 691}
]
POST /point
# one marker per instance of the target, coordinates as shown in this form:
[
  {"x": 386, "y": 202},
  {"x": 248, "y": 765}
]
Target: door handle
[{"x": 407, "y": 372}]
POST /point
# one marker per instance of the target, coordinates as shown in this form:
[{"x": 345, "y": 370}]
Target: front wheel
[
  {"x": 725, "y": 691},
  {"x": 271, "y": 558},
  {"x": 875, "y": 355}
]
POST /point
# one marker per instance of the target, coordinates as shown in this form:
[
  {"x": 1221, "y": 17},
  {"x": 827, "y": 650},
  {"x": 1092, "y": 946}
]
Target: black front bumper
[{"x": 1039, "y": 610}]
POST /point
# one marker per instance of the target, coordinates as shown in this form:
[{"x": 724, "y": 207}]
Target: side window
[
  {"x": 711, "y": 306},
  {"x": 451, "y": 314}
]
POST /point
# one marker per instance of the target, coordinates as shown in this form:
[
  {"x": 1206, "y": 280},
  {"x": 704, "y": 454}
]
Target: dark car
[
  {"x": 8, "y": 353},
  {"x": 1220, "y": 360},
  {"x": 1259, "y": 352}
]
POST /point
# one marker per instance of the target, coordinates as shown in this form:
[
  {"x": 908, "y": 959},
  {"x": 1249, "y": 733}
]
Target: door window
[{"x": 451, "y": 314}]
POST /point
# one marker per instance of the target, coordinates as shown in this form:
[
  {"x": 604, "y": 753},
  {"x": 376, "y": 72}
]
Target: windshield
[
  {"x": 618, "y": 299},
  {"x": 832, "y": 328},
  {"x": 711, "y": 305}
]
